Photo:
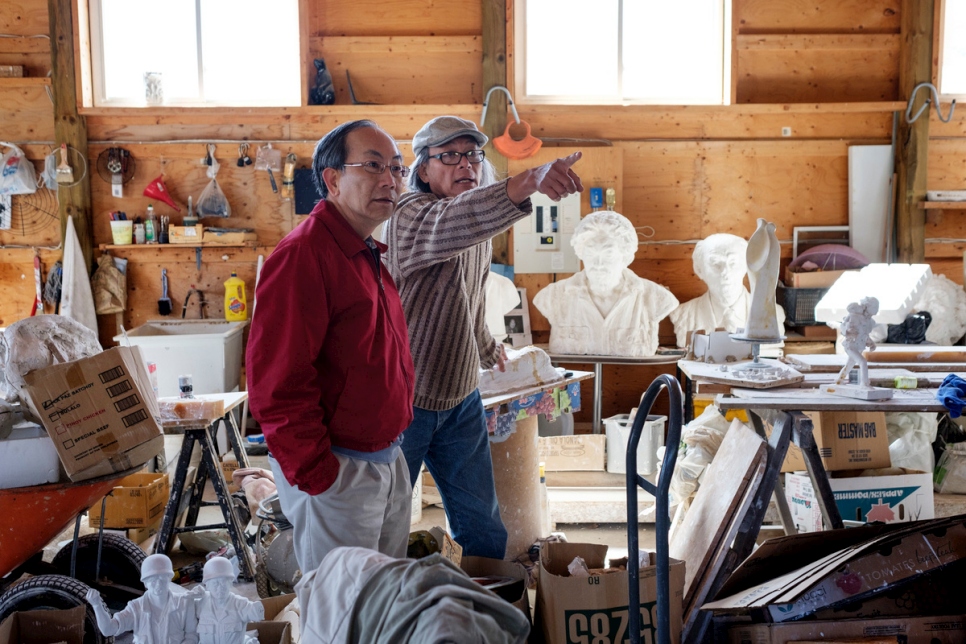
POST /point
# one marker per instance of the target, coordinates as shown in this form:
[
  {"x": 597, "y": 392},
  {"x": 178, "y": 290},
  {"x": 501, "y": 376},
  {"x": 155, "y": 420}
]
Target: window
[
  {"x": 200, "y": 52},
  {"x": 952, "y": 59},
  {"x": 624, "y": 51}
]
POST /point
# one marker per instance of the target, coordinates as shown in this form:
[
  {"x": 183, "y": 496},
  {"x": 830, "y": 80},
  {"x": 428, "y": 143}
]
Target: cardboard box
[
  {"x": 100, "y": 412},
  {"x": 137, "y": 501},
  {"x": 140, "y": 535},
  {"x": 811, "y": 279},
  {"x": 577, "y": 453},
  {"x": 228, "y": 468},
  {"x": 850, "y": 440},
  {"x": 232, "y": 237},
  {"x": 269, "y": 631},
  {"x": 516, "y": 594},
  {"x": 186, "y": 234},
  {"x": 916, "y": 630},
  {"x": 44, "y": 627},
  {"x": 886, "y": 499},
  {"x": 11, "y": 71},
  {"x": 571, "y": 610},
  {"x": 835, "y": 578}
]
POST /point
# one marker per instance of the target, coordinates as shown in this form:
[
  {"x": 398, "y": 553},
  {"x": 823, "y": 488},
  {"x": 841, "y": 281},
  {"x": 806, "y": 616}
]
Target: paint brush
[{"x": 65, "y": 174}]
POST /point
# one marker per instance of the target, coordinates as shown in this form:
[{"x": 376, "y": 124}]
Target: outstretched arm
[
  {"x": 555, "y": 180},
  {"x": 105, "y": 623}
]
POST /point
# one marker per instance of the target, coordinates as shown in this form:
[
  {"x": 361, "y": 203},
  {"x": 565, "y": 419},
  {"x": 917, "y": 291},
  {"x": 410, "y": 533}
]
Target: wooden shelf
[
  {"x": 158, "y": 246},
  {"x": 21, "y": 81},
  {"x": 934, "y": 209}
]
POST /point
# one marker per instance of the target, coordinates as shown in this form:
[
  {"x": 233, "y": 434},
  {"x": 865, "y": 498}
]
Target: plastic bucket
[{"x": 122, "y": 232}]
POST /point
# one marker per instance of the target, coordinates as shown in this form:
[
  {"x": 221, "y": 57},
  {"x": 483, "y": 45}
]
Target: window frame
[
  {"x": 518, "y": 31},
  {"x": 940, "y": 27}
]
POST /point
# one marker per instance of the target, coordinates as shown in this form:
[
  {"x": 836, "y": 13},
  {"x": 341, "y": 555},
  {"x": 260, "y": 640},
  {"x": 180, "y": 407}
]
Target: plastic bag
[
  {"x": 950, "y": 475},
  {"x": 911, "y": 435},
  {"x": 17, "y": 176},
  {"x": 212, "y": 202},
  {"x": 109, "y": 285},
  {"x": 700, "y": 440}
]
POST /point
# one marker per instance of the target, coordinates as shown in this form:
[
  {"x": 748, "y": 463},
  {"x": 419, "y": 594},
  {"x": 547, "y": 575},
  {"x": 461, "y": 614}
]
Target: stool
[{"x": 203, "y": 433}]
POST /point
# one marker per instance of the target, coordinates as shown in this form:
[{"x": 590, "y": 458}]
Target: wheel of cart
[
  {"x": 30, "y": 517},
  {"x": 661, "y": 501}
]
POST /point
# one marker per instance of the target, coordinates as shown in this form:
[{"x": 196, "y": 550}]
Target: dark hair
[{"x": 330, "y": 151}]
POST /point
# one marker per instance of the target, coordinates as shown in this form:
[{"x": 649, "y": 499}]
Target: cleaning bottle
[
  {"x": 236, "y": 306},
  {"x": 150, "y": 226}
]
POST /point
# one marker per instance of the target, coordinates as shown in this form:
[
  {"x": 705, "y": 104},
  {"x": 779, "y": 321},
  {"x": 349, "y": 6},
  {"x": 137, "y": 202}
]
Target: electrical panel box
[{"x": 541, "y": 242}]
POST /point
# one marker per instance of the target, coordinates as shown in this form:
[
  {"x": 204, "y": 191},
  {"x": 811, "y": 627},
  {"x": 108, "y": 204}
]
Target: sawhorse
[{"x": 203, "y": 433}]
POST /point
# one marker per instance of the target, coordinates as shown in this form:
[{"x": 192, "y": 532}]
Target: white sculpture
[
  {"x": 855, "y": 330},
  {"x": 605, "y": 309},
  {"x": 158, "y": 617},
  {"x": 501, "y": 298},
  {"x": 223, "y": 615},
  {"x": 763, "y": 256}
]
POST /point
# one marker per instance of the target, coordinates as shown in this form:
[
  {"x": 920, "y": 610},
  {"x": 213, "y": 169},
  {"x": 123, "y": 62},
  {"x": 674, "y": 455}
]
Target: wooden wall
[{"x": 827, "y": 69}]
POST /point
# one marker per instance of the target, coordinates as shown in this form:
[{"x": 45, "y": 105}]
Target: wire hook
[
  {"x": 509, "y": 99},
  {"x": 934, "y": 98}
]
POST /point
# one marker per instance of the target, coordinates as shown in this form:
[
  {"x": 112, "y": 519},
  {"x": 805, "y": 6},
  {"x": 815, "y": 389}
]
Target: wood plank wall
[{"x": 827, "y": 69}]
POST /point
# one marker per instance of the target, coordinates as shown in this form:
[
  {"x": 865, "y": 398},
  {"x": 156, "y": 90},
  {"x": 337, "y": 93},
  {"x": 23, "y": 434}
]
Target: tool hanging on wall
[
  {"x": 164, "y": 303},
  {"x": 270, "y": 159},
  {"x": 116, "y": 166},
  {"x": 65, "y": 174},
  {"x": 157, "y": 190},
  {"x": 288, "y": 176},
  {"x": 38, "y": 305},
  {"x": 512, "y": 145},
  {"x": 243, "y": 158}
]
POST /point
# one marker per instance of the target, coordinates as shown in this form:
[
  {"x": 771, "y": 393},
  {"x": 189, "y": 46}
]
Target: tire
[
  {"x": 52, "y": 592},
  {"x": 120, "y": 565}
]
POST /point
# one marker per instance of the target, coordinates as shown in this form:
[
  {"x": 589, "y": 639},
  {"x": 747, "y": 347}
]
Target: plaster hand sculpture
[
  {"x": 605, "y": 309},
  {"x": 223, "y": 615},
  {"x": 158, "y": 617},
  {"x": 763, "y": 256}
]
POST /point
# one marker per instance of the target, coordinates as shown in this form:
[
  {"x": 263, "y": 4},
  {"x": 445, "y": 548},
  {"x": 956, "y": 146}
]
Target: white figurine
[
  {"x": 223, "y": 615},
  {"x": 763, "y": 257},
  {"x": 158, "y": 617},
  {"x": 855, "y": 329},
  {"x": 719, "y": 261},
  {"x": 605, "y": 309}
]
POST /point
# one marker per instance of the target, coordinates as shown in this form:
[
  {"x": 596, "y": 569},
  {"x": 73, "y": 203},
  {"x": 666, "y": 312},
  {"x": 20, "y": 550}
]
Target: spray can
[{"x": 236, "y": 304}]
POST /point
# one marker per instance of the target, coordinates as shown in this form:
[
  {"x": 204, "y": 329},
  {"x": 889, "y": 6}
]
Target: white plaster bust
[
  {"x": 223, "y": 615},
  {"x": 719, "y": 261},
  {"x": 605, "y": 309},
  {"x": 855, "y": 329}
]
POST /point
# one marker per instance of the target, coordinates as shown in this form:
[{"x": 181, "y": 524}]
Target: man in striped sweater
[{"x": 439, "y": 255}]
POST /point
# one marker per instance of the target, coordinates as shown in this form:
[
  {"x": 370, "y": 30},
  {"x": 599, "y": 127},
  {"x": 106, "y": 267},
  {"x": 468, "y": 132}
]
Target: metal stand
[
  {"x": 662, "y": 503},
  {"x": 210, "y": 468}
]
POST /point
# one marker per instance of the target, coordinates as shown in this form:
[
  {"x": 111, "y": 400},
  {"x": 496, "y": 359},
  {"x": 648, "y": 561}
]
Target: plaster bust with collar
[{"x": 605, "y": 309}]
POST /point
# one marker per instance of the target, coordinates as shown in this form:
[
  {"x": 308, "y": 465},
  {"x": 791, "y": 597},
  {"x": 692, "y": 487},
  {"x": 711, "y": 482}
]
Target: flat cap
[{"x": 444, "y": 129}]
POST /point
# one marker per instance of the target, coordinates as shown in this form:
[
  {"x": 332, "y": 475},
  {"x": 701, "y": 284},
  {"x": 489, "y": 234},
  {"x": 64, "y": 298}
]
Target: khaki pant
[{"x": 368, "y": 505}]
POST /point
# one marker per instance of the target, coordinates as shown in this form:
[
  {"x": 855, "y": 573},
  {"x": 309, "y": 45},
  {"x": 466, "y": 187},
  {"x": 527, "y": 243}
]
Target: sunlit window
[
  {"x": 196, "y": 52},
  {"x": 624, "y": 51},
  {"x": 952, "y": 71}
]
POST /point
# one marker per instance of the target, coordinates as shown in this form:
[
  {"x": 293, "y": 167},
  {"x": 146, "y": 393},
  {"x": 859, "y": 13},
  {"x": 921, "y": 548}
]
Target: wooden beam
[
  {"x": 69, "y": 126},
  {"x": 912, "y": 140},
  {"x": 494, "y": 73}
]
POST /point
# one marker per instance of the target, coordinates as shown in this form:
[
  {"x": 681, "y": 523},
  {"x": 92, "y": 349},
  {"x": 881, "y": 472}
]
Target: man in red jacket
[{"x": 330, "y": 376}]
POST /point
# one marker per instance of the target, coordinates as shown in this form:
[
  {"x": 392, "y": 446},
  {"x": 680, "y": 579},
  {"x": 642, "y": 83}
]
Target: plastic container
[
  {"x": 618, "y": 431},
  {"x": 236, "y": 304},
  {"x": 122, "y": 232},
  {"x": 210, "y": 350},
  {"x": 28, "y": 457},
  {"x": 799, "y": 304}
]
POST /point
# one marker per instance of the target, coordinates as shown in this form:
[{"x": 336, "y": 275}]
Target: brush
[
  {"x": 64, "y": 172},
  {"x": 164, "y": 304}
]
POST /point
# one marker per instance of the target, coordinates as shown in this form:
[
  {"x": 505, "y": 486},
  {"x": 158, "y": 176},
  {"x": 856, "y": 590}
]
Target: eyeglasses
[
  {"x": 453, "y": 158},
  {"x": 374, "y": 167}
]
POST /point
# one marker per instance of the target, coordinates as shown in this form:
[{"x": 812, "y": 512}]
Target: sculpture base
[
  {"x": 745, "y": 338},
  {"x": 858, "y": 391}
]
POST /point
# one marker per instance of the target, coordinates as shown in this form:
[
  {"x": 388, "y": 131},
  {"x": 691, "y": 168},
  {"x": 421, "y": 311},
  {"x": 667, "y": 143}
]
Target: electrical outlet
[{"x": 786, "y": 131}]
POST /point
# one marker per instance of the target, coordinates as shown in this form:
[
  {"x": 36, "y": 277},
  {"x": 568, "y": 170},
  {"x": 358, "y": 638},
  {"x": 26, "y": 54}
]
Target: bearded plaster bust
[
  {"x": 720, "y": 262},
  {"x": 605, "y": 309}
]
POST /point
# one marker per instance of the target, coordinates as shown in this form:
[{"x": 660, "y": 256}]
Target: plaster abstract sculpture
[
  {"x": 158, "y": 617},
  {"x": 605, "y": 309},
  {"x": 855, "y": 329},
  {"x": 763, "y": 256},
  {"x": 223, "y": 615}
]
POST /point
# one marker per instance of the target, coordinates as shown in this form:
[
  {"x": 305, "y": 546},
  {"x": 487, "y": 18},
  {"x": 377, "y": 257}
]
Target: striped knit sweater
[{"x": 439, "y": 255}]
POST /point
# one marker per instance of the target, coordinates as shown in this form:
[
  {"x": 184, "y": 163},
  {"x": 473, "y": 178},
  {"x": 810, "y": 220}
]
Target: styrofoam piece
[
  {"x": 618, "y": 430},
  {"x": 896, "y": 286},
  {"x": 28, "y": 457},
  {"x": 209, "y": 350}
]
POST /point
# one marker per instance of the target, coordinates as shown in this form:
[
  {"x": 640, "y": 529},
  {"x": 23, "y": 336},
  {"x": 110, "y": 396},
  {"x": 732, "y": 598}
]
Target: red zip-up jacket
[{"x": 328, "y": 358}]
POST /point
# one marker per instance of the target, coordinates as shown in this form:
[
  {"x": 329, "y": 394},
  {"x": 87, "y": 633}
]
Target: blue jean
[{"x": 456, "y": 449}]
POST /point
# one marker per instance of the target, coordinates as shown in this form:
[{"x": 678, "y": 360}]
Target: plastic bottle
[
  {"x": 150, "y": 226},
  {"x": 236, "y": 305}
]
